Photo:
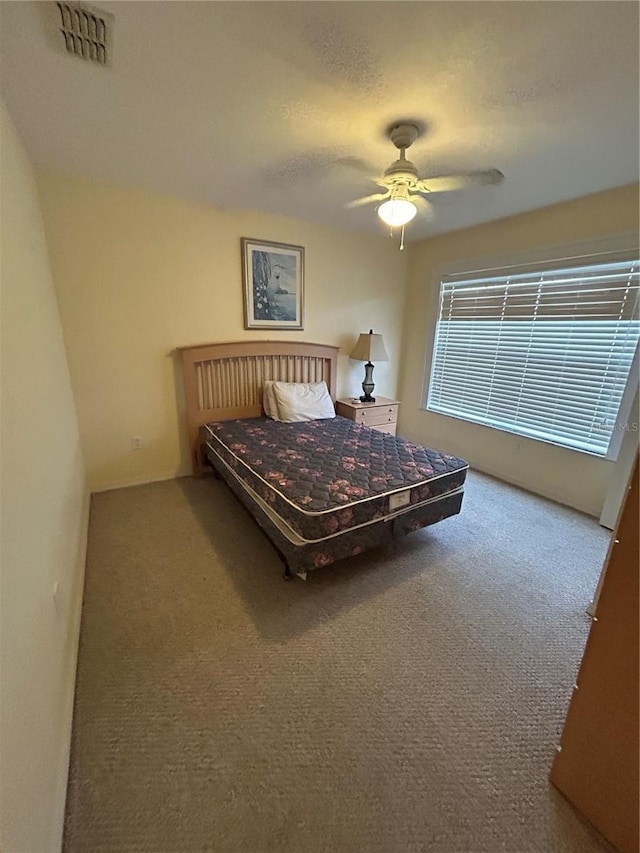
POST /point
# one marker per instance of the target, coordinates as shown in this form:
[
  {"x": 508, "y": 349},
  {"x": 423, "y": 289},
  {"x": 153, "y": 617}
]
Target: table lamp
[{"x": 369, "y": 346}]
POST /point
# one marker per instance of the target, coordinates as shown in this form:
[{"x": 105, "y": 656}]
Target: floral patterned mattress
[{"x": 328, "y": 476}]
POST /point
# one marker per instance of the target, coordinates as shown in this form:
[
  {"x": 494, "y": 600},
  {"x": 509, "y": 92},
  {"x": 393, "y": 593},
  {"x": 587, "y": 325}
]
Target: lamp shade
[{"x": 369, "y": 347}]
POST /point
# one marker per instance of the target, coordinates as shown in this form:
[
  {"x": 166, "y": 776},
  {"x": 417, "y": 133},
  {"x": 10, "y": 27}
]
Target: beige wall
[
  {"x": 564, "y": 475},
  {"x": 44, "y": 517},
  {"x": 139, "y": 274}
]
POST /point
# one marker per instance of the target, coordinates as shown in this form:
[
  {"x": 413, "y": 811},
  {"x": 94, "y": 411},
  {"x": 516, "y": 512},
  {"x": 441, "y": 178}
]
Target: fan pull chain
[{"x": 401, "y": 236}]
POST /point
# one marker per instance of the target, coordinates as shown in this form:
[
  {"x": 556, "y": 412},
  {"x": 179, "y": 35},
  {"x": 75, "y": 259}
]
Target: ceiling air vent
[{"x": 85, "y": 31}]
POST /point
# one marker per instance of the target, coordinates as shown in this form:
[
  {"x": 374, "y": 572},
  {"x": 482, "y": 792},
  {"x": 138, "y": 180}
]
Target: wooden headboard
[{"x": 225, "y": 381}]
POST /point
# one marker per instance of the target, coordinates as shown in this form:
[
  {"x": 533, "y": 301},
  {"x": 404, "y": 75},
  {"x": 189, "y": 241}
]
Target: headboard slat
[{"x": 225, "y": 381}]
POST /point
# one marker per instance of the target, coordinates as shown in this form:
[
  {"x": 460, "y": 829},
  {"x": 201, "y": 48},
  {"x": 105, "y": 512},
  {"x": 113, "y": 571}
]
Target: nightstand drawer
[
  {"x": 381, "y": 415},
  {"x": 376, "y": 415}
]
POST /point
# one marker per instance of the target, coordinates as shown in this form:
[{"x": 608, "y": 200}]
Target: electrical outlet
[{"x": 136, "y": 442}]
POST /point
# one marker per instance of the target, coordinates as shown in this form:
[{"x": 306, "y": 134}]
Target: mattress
[
  {"x": 326, "y": 477},
  {"x": 301, "y": 556}
]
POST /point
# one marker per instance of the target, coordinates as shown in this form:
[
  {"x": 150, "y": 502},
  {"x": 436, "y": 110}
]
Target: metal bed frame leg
[{"x": 288, "y": 574}]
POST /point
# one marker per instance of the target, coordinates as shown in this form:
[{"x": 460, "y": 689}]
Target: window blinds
[{"x": 546, "y": 353}]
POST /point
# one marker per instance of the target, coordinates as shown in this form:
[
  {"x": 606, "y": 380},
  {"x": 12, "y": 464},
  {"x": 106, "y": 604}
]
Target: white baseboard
[
  {"x": 73, "y": 638},
  {"x": 140, "y": 481},
  {"x": 534, "y": 489}
]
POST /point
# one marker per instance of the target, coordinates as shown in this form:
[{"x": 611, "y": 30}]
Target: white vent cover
[{"x": 84, "y": 31}]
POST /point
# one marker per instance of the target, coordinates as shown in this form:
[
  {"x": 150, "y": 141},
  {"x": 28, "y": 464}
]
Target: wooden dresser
[
  {"x": 381, "y": 415},
  {"x": 596, "y": 766}
]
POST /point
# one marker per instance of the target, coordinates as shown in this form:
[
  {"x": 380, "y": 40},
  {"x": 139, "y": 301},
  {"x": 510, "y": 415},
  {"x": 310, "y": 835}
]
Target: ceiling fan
[{"x": 404, "y": 191}]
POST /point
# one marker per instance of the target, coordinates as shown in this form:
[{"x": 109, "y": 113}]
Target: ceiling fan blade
[
  {"x": 355, "y": 163},
  {"x": 368, "y": 199},
  {"x": 425, "y": 208},
  {"x": 463, "y": 181},
  {"x": 312, "y": 166}
]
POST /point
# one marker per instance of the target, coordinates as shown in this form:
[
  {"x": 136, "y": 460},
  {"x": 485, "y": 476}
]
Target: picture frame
[{"x": 273, "y": 283}]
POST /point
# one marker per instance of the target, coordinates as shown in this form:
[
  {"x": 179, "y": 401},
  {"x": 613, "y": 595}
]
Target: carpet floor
[{"x": 409, "y": 699}]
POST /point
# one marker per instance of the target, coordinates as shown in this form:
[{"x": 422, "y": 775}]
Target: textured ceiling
[{"x": 283, "y": 107}]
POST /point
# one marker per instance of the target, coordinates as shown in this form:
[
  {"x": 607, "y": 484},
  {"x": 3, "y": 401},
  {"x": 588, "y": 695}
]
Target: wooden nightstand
[{"x": 381, "y": 415}]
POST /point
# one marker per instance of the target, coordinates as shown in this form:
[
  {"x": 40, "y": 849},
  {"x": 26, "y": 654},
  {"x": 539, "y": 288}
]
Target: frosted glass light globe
[{"x": 397, "y": 211}]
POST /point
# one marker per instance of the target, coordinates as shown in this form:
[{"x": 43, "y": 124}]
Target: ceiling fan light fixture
[
  {"x": 403, "y": 187},
  {"x": 397, "y": 211}
]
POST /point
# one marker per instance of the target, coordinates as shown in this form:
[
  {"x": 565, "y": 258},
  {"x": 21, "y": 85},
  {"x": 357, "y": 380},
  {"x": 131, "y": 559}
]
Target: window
[{"x": 542, "y": 352}]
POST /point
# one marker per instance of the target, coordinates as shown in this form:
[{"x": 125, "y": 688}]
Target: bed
[{"x": 321, "y": 490}]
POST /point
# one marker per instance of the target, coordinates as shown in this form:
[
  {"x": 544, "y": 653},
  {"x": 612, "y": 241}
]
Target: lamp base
[{"x": 367, "y": 385}]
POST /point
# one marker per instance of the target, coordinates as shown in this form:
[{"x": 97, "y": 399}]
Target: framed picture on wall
[{"x": 273, "y": 280}]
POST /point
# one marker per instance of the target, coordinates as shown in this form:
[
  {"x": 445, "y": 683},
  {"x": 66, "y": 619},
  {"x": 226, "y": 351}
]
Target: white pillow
[
  {"x": 303, "y": 401},
  {"x": 269, "y": 403}
]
